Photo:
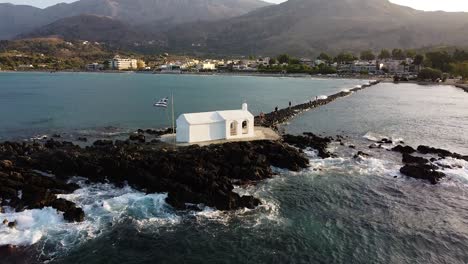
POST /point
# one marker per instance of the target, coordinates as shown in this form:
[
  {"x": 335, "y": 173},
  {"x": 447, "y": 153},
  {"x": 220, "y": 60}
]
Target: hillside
[
  {"x": 88, "y": 27},
  {"x": 16, "y": 20},
  {"x": 304, "y": 27}
]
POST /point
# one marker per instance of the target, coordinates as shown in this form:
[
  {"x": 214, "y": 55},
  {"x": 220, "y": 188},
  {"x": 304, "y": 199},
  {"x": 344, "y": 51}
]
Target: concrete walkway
[{"x": 261, "y": 133}]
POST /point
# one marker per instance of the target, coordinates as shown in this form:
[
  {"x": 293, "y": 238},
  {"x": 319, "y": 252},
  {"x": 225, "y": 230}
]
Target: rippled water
[
  {"x": 34, "y": 104},
  {"x": 340, "y": 210}
]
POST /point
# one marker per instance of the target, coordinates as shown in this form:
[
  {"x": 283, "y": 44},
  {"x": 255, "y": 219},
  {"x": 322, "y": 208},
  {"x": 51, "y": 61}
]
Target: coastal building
[
  {"x": 396, "y": 66},
  {"x": 357, "y": 67},
  {"x": 94, "y": 67},
  {"x": 217, "y": 125},
  {"x": 118, "y": 63},
  {"x": 206, "y": 66}
]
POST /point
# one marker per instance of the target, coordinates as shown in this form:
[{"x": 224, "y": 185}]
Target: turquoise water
[
  {"x": 340, "y": 210},
  {"x": 42, "y": 103}
]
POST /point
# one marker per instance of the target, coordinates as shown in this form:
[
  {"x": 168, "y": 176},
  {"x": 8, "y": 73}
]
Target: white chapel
[{"x": 217, "y": 125}]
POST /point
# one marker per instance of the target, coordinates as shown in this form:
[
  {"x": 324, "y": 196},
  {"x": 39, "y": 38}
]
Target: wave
[
  {"x": 372, "y": 136},
  {"x": 104, "y": 205}
]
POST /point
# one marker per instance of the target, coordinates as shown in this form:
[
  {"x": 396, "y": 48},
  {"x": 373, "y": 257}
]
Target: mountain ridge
[{"x": 20, "y": 19}]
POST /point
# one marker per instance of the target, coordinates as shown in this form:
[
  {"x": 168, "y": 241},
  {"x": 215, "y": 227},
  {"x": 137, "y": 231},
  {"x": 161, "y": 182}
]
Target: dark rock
[
  {"x": 12, "y": 224},
  {"x": 430, "y": 150},
  {"x": 310, "y": 140},
  {"x": 82, "y": 139},
  {"x": 103, "y": 143},
  {"x": 5, "y": 222},
  {"x": 408, "y": 159},
  {"x": 56, "y": 136},
  {"x": 441, "y": 152},
  {"x": 71, "y": 212},
  {"x": 137, "y": 137},
  {"x": 361, "y": 154},
  {"x": 425, "y": 172},
  {"x": 352, "y": 146},
  {"x": 404, "y": 149}
]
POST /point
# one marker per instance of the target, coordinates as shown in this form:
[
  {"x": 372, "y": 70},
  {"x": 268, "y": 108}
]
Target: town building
[
  {"x": 118, "y": 63},
  {"x": 206, "y": 66},
  {"x": 357, "y": 67},
  {"x": 94, "y": 67},
  {"x": 217, "y": 125},
  {"x": 396, "y": 66}
]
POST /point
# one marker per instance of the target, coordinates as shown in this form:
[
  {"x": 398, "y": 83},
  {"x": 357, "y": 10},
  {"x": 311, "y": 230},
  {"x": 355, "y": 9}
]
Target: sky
[{"x": 429, "y": 5}]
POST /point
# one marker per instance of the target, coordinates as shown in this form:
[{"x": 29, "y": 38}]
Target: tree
[
  {"x": 106, "y": 64},
  {"x": 430, "y": 74},
  {"x": 460, "y": 56},
  {"x": 294, "y": 61},
  {"x": 325, "y": 69},
  {"x": 273, "y": 61},
  {"x": 283, "y": 58},
  {"x": 345, "y": 57},
  {"x": 418, "y": 59},
  {"x": 398, "y": 54},
  {"x": 367, "y": 55},
  {"x": 461, "y": 69},
  {"x": 440, "y": 60},
  {"x": 384, "y": 54},
  {"x": 410, "y": 53},
  {"x": 325, "y": 57}
]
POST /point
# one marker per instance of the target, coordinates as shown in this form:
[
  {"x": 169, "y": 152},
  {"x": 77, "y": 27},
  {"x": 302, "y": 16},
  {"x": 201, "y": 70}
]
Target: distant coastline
[{"x": 449, "y": 82}]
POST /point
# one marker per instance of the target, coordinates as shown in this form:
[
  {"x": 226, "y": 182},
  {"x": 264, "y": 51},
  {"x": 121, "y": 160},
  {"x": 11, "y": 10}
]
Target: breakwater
[{"x": 283, "y": 115}]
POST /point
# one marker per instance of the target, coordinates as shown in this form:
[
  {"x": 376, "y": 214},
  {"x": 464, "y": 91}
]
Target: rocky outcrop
[
  {"x": 283, "y": 115},
  {"x": 425, "y": 167},
  {"x": 404, "y": 149},
  {"x": 310, "y": 140},
  {"x": 440, "y": 152},
  {"x": 26, "y": 189},
  {"x": 190, "y": 175},
  {"x": 425, "y": 172},
  {"x": 409, "y": 159}
]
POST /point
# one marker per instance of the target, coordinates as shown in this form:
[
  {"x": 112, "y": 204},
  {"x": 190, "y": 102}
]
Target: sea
[{"x": 339, "y": 210}]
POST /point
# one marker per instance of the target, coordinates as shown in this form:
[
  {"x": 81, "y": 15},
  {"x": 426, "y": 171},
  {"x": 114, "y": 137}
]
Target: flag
[{"x": 162, "y": 102}]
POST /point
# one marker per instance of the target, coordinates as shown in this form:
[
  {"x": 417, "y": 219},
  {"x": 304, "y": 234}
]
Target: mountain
[
  {"x": 88, "y": 27},
  {"x": 304, "y": 27},
  {"x": 16, "y": 19},
  {"x": 19, "y": 18}
]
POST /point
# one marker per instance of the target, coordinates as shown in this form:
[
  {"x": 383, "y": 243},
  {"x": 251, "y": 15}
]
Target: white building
[
  {"x": 206, "y": 66},
  {"x": 217, "y": 125},
  {"x": 118, "y": 63}
]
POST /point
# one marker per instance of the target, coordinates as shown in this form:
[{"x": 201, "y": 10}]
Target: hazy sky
[{"x": 447, "y": 5}]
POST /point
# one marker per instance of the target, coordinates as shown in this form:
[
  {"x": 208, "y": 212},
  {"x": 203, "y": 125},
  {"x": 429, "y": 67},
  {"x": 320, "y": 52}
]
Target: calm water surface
[
  {"x": 42, "y": 103},
  {"x": 340, "y": 210}
]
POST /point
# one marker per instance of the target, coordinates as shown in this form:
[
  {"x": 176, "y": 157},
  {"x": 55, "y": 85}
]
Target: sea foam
[{"x": 104, "y": 205}]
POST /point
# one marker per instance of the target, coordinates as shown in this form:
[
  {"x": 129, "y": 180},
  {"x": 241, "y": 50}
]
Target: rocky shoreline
[
  {"x": 276, "y": 118},
  {"x": 425, "y": 166},
  {"x": 32, "y": 174}
]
